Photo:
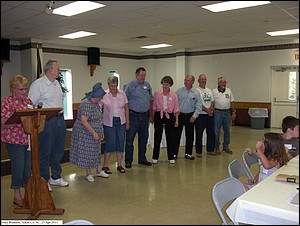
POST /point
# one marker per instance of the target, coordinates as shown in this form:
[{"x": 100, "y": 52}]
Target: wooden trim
[
  {"x": 242, "y": 116},
  {"x": 76, "y": 106},
  {"x": 240, "y": 105},
  {"x": 247, "y": 105}
]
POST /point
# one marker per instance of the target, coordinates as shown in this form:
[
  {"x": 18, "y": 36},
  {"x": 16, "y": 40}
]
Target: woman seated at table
[{"x": 272, "y": 155}]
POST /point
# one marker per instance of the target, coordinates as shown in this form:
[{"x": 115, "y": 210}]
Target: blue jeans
[
  {"x": 52, "y": 147},
  {"x": 139, "y": 123},
  {"x": 20, "y": 160},
  {"x": 222, "y": 119},
  {"x": 114, "y": 136}
]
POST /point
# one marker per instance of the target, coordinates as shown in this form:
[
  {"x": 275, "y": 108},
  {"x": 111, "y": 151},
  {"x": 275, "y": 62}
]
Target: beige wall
[{"x": 248, "y": 74}]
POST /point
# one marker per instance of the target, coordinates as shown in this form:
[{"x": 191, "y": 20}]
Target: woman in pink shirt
[
  {"x": 14, "y": 136},
  {"x": 166, "y": 111},
  {"x": 115, "y": 122}
]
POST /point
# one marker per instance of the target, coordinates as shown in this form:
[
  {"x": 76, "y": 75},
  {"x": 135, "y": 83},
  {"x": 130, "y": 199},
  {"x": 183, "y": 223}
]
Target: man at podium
[
  {"x": 46, "y": 92},
  {"x": 14, "y": 136}
]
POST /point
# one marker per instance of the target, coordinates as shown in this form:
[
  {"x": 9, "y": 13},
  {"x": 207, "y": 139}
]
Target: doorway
[{"x": 285, "y": 93}]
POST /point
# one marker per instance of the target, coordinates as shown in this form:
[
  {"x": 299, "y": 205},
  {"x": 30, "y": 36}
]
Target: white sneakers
[
  {"x": 58, "y": 182},
  {"x": 102, "y": 174},
  {"x": 154, "y": 161},
  {"x": 90, "y": 178}
]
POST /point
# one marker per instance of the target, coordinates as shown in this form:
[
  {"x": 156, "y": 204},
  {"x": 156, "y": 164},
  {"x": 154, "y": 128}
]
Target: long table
[{"x": 267, "y": 202}]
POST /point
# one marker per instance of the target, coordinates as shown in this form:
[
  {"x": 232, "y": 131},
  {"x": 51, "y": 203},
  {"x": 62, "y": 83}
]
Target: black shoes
[
  {"x": 145, "y": 163},
  {"x": 128, "y": 165},
  {"x": 190, "y": 157}
]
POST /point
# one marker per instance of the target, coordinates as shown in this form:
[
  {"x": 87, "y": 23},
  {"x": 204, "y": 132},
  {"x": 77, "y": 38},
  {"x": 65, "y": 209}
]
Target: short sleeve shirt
[{"x": 14, "y": 134}]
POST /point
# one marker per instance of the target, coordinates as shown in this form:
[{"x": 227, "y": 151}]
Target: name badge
[
  {"x": 289, "y": 146},
  {"x": 145, "y": 87}
]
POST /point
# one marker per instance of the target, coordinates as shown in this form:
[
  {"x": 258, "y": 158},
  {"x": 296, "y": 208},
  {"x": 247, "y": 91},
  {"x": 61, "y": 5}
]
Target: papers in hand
[{"x": 288, "y": 178}]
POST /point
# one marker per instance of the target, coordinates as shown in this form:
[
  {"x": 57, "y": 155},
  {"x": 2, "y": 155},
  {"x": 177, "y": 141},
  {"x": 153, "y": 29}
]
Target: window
[
  {"x": 68, "y": 100},
  {"x": 292, "y": 86},
  {"x": 115, "y": 73}
]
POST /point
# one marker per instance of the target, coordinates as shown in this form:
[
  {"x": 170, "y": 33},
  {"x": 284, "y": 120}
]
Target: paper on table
[{"x": 294, "y": 199}]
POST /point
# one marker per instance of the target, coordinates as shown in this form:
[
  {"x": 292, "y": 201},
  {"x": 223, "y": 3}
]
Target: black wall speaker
[
  {"x": 5, "y": 49},
  {"x": 93, "y": 56}
]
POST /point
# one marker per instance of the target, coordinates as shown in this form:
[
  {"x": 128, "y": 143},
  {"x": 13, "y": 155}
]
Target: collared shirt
[
  {"x": 165, "y": 103},
  {"x": 13, "y": 134},
  {"x": 206, "y": 97},
  {"x": 108, "y": 102},
  {"x": 47, "y": 92},
  {"x": 139, "y": 95},
  {"x": 189, "y": 101},
  {"x": 223, "y": 100}
]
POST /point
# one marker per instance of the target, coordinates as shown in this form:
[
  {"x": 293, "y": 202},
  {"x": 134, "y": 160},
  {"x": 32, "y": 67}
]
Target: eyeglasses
[
  {"x": 54, "y": 68},
  {"x": 23, "y": 89}
]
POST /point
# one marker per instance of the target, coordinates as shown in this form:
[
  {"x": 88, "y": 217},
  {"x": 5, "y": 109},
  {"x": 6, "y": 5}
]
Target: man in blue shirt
[
  {"x": 189, "y": 105},
  {"x": 140, "y": 98}
]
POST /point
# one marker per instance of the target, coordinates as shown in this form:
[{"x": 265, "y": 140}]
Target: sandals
[
  {"x": 106, "y": 170},
  {"x": 121, "y": 169}
]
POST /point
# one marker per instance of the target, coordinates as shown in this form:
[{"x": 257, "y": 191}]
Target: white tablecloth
[
  {"x": 163, "y": 140},
  {"x": 268, "y": 201}
]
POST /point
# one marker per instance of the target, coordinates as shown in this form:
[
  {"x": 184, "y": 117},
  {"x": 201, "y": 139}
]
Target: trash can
[{"x": 258, "y": 116}]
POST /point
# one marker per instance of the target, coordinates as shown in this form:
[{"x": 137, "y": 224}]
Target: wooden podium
[{"x": 37, "y": 198}]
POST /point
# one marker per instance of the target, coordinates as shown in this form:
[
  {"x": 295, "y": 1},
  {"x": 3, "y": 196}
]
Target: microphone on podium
[{"x": 40, "y": 105}]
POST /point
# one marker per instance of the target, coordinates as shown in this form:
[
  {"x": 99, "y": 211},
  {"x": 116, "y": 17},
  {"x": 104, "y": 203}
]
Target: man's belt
[
  {"x": 217, "y": 109},
  {"x": 138, "y": 112}
]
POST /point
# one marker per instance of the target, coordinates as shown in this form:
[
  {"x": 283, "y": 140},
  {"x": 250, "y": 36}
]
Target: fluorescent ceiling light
[
  {"x": 156, "y": 46},
  {"x": 225, "y": 6},
  {"x": 285, "y": 32},
  {"x": 78, "y": 34},
  {"x": 77, "y": 8}
]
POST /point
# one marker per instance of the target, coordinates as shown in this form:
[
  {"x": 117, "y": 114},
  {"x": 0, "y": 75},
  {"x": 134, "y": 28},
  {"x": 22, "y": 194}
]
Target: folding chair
[
  {"x": 249, "y": 160},
  {"x": 79, "y": 222},
  {"x": 237, "y": 170},
  {"x": 224, "y": 192}
]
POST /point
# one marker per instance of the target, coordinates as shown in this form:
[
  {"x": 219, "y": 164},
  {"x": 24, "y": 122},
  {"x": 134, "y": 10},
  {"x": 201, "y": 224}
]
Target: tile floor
[{"x": 178, "y": 194}]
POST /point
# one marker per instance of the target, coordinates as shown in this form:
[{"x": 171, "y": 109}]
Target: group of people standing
[
  {"x": 116, "y": 116},
  {"x": 194, "y": 110},
  {"x": 187, "y": 108}
]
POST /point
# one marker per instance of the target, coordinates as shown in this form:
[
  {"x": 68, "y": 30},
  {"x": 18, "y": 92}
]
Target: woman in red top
[
  {"x": 166, "y": 111},
  {"x": 15, "y": 138}
]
